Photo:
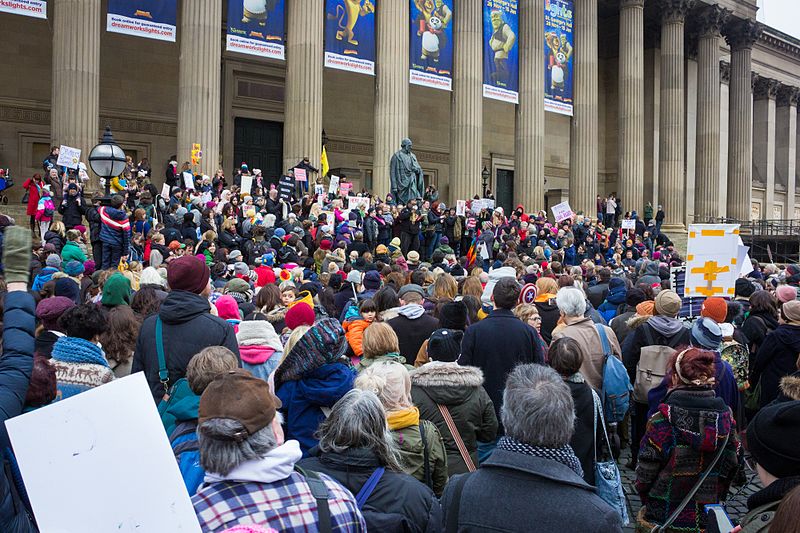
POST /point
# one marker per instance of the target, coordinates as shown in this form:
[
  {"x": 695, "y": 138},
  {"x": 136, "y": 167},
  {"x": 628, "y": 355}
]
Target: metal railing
[{"x": 775, "y": 227}]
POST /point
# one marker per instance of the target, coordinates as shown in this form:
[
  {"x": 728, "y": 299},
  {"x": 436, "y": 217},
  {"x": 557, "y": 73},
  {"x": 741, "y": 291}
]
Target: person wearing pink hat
[{"x": 785, "y": 293}]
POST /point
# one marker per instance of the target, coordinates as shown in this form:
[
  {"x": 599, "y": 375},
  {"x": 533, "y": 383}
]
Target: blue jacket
[
  {"x": 114, "y": 236},
  {"x": 44, "y": 276},
  {"x": 614, "y": 299},
  {"x": 303, "y": 400},
  {"x": 183, "y": 439}
]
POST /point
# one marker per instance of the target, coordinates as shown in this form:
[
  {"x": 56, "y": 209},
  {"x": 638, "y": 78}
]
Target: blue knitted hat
[
  {"x": 706, "y": 334},
  {"x": 74, "y": 268}
]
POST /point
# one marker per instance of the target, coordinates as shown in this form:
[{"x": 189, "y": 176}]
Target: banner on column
[
  {"x": 27, "y": 8},
  {"x": 501, "y": 50},
  {"x": 350, "y": 35},
  {"x": 431, "y": 44},
  {"x": 558, "y": 54},
  {"x": 151, "y": 19},
  {"x": 256, "y": 27}
]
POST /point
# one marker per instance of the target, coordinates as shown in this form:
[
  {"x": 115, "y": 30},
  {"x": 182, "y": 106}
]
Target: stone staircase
[
  {"x": 16, "y": 211},
  {"x": 680, "y": 239}
]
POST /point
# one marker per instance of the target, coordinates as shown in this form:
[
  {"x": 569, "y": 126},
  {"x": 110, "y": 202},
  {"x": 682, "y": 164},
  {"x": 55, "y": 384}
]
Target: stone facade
[{"x": 666, "y": 110}]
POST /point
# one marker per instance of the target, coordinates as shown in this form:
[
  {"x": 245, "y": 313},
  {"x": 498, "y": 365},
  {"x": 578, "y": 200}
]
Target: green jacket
[
  {"x": 72, "y": 252},
  {"x": 759, "y": 519},
  {"x": 648, "y": 211},
  {"x": 412, "y": 455}
]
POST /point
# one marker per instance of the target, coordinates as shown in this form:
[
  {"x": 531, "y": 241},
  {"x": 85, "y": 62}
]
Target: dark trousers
[
  {"x": 111, "y": 255},
  {"x": 97, "y": 253},
  {"x": 638, "y": 427},
  {"x": 408, "y": 242}
]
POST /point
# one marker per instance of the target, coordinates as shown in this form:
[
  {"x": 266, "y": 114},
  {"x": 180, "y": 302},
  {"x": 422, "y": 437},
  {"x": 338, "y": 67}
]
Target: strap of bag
[
  {"x": 369, "y": 486},
  {"x": 598, "y": 408},
  {"x": 694, "y": 490},
  {"x": 454, "y": 510},
  {"x": 451, "y": 425},
  {"x": 601, "y": 331},
  {"x": 163, "y": 373},
  {"x": 648, "y": 334},
  {"x": 425, "y": 455},
  {"x": 320, "y": 492}
]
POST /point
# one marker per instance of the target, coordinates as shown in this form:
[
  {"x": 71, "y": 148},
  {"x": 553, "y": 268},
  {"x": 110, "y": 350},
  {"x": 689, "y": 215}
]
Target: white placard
[
  {"x": 321, "y": 200},
  {"x": 743, "y": 258},
  {"x": 300, "y": 174},
  {"x": 483, "y": 203},
  {"x": 188, "y": 180},
  {"x": 334, "y": 186},
  {"x": 461, "y": 208},
  {"x": 101, "y": 461},
  {"x": 247, "y": 183},
  {"x": 561, "y": 211},
  {"x": 165, "y": 192},
  {"x": 484, "y": 251},
  {"x": 319, "y": 189},
  {"x": 354, "y": 202},
  {"x": 68, "y": 157},
  {"x": 712, "y": 260},
  {"x": 629, "y": 224}
]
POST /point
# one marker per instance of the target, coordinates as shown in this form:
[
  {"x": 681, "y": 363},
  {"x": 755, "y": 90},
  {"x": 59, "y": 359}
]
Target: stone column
[
  {"x": 529, "y": 160},
  {"x": 652, "y": 110},
  {"x": 583, "y": 138},
  {"x": 740, "y": 35},
  {"x": 302, "y": 127},
  {"x": 786, "y": 144},
  {"x": 75, "y": 103},
  {"x": 391, "y": 89},
  {"x": 765, "y": 91},
  {"x": 199, "y": 83},
  {"x": 708, "y": 118},
  {"x": 722, "y": 179},
  {"x": 630, "y": 157},
  {"x": 671, "y": 178},
  {"x": 690, "y": 121},
  {"x": 466, "y": 126}
]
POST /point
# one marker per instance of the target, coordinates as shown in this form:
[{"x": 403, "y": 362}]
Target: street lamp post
[
  {"x": 484, "y": 180},
  {"x": 107, "y": 159}
]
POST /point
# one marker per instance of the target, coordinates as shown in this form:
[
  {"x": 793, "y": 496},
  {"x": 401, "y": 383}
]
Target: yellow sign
[{"x": 197, "y": 154}]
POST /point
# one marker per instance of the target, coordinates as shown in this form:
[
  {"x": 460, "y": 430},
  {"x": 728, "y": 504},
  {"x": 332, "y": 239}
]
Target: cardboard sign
[
  {"x": 712, "y": 260},
  {"x": 300, "y": 174},
  {"x": 165, "y": 190},
  {"x": 356, "y": 202},
  {"x": 286, "y": 188},
  {"x": 629, "y": 224},
  {"x": 68, "y": 157},
  {"x": 334, "y": 186},
  {"x": 247, "y": 184},
  {"x": 561, "y": 211},
  {"x": 461, "y": 208},
  {"x": 88, "y": 436}
]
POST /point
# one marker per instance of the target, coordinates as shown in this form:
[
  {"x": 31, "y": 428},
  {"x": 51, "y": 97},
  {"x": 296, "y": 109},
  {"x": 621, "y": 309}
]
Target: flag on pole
[
  {"x": 324, "y": 162},
  {"x": 472, "y": 253}
]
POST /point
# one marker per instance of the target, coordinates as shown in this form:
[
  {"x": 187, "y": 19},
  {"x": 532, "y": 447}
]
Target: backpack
[
  {"x": 738, "y": 356},
  {"x": 652, "y": 365},
  {"x": 617, "y": 387}
]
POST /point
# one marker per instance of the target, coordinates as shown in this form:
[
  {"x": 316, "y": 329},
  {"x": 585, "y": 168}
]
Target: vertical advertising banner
[
  {"x": 558, "y": 56},
  {"x": 27, "y": 8},
  {"x": 501, "y": 50},
  {"x": 350, "y": 35},
  {"x": 256, "y": 27},
  {"x": 151, "y": 19},
  {"x": 431, "y": 43}
]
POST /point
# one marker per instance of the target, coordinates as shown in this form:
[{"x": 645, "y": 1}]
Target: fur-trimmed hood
[
  {"x": 790, "y": 386},
  {"x": 637, "y": 320},
  {"x": 447, "y": 383}
]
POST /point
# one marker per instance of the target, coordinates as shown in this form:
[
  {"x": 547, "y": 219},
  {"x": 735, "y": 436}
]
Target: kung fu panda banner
[
  {"x": 431, "y": 43},
  {"x": 27, "y": 8},
  {"x": 350, "y": 35},
  {"x": 151, "y": 19},
  {"x": 501, "y": 50},
  {"x": 256, "y": 27},
  {"x": 558, "y": 56}
]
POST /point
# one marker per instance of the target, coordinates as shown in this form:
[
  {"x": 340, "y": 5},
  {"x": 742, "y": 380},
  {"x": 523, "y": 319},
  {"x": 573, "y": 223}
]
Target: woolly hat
[
  {"x": 300, "y": 314},
  {"x": 395, "y": 242},
  {"x": 227, "y": 308},
  {"x": 744, "y": 288},
  {"x": 150, "y": 276},
  {"x": 528, "y": 293},
  {"x": 786, "y": 293},
  {"x": 453, "y": 315},
  {"x": 241, "y": 269},
  {"x": 413, "y": 257},
  {"x": 117, "y": 290},
  {"x": 67, "y": 287},
  {"x": 411, "y": 287},
  {"x": 323, "y": 343},
  {"x": 266, "y": 276},
  {"x": 239, "y": 290},
  {"x": 354, "y": 276},
  {"x": 74, "y": 268},
  {"x": 715, "y": 308},
  {"x": 635, "y": 296},
  {"x": 53, "y": 260},
  {"x": 235, "y": 255},
  {"x": 89, "y": 267},
  {"x": 381, "y": 249},
  {"x": 668, "y": 303},
  {"x": 445, "y": 345},
  {"x": 646, "y": 308},
  {"x": 772, "y": 438},
  {"x": 50, "y": 309},
  {"x": 706, "y": 334},
  {"x": 280, "y": 233},
  {"x": 372, "y": 280},
  {"x": 325, "y": 244},
  {"x": 188, "y": 273},
  {"x": 791, "y": 312}
]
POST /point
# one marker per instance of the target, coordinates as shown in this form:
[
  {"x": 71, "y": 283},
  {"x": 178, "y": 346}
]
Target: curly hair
[
  {"x": 119, "y": 337},
  {"x": 146, "y": 302},
  {"x": 84, "y": 321}
]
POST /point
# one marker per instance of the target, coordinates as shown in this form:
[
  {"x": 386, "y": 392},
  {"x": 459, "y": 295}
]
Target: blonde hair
[
  {"x": 206, "y": 365},
  {"x": 294, "y": 338},
  {"x": 59, "y": 227},
  {"x": 445, "y": 286},
  {"x": 379, "y": 339},
  {"x": 546, "y": 285},
  {"x": 525, "y": 312},
  {"x": 390, "y": 382},
  {"x": 472, "y": 287}
]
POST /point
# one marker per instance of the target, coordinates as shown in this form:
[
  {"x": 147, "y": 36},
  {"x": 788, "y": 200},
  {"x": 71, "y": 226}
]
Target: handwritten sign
[
  {"x": 247, "y": 183},
  {"x": 188, "y": 180},
  {"x": 484, "y": 203},
  {"x": 629, "y": 224},
  {"x": 300, "y": 174},
  {"x": 561, "y": 211},
  {"x": 344, "y": 188},
  {"x": 68, "y": 157},
  {"x": 334, "y": 186},
  {"x": 461, "y": 208},
  {"x": 165, "y": 191},
  {"x": 319, "y": 189},
  {"x": 357, "y": 202}
]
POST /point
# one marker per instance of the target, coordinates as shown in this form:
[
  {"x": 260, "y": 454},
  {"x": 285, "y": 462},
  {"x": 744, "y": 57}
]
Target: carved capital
[
  {"x": 724, "y": 72},
  {"x": 765, "y": 88},
  {"x": 787, "y": 95},
  {"x": 630, "y": 3},
  {"x": 675, "y": 10},
  {"x": 711, "y": 19},
  {"x": 742, "y": 33}
]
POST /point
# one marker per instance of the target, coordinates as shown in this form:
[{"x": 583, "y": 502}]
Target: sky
[{"x": 783, "y": 15}]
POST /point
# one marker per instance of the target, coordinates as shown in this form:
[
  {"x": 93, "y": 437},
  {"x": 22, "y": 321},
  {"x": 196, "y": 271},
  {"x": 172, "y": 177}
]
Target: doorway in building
[
  {"x": 259, "y": 143},
  {"x": 504, "y": 193}
]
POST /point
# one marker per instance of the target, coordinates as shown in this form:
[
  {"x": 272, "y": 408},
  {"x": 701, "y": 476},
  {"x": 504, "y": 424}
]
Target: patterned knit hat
[
  {"x": 322, "y": 344},
  {"x": 706, "y": 334}
]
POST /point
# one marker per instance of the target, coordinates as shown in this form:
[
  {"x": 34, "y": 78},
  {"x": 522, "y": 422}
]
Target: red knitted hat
[
  {"x": 715, "y": 308},
  {"x": 299, "y": 314}
]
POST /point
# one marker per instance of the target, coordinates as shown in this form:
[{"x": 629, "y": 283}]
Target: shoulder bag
[
  {"x": 606, "y": 473},
  {"x": 451, "y": 426}
]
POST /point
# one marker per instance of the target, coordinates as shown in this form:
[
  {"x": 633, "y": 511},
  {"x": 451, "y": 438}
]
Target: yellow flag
[{"x": 324, "y": 162}]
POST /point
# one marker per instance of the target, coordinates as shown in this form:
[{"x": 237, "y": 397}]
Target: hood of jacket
[
  {"x": 278, "y": 464},
  {"x": 651, "y": 269},
  {"x": 181, "y": 306},
  {"x": 666, "y": 325},
  {"x": 356, "y": 458},
  {"x": 789, "y": 336},
  {"x": 185, "y": 408},
  {"x": 790, "y": 386},
  {"x": 447, "y": 383},
  {"x": 411, "y": 311},
  {"x": 617, "y": 293},
  {"x": 701, "y": 420},
  {"x": 258, "y": 333}
]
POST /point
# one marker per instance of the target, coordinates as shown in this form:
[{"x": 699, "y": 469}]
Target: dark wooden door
[
  {"x": 259, "y": 143},
  {"x": 504, "y": 195}
]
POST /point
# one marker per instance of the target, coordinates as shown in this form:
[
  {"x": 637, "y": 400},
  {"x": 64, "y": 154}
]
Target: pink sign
[{"x": 300, "y": 174}]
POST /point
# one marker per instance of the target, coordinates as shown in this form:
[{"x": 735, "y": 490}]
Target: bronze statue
[{"x": 405, "y": 174}]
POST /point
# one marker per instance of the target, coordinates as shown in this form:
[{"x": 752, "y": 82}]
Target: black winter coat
[
  {"x": 412, "y": 333},
  {"x": 93, "y": 217},
  {"x": 596, "y": 294},
  {"x": 51, "y": 237},
  {"x": 583, "y": 441},
  {"x": 550, "y": 314},
  {"x": 188, "y": 327},
  {"x": 70, "y": 211},
  {"x": 398, "y": 503},
  {"x": 776, "y": 358}
]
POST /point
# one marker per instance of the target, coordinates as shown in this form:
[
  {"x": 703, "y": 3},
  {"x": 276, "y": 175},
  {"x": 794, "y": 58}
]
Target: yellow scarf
[{"x": 403, "y": 419}]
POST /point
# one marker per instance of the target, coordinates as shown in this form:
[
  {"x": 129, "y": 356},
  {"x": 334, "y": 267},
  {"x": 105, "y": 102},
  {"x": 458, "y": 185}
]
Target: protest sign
[
  {"x": 286, "y": 187},
  {"x": 319, "y": 189},
  {"x": 300, "y": 174},
  {"x": 68, "y": 157},
  {"x": 461, "y": 208},
  {"x": 188, "y": 181},
  {"x": 484, "y": 203},
  {"x": 629, "y": 224},
  {"x": 165, "y": 190},
  {"x": 334, "y": 186},
  {"x": 743, "y": 259},
  {"x": 356, "y": 202},
  {"x": 87, "y": 435},
  {"x": 247, "y": 183},
  {"x": 344, "y": 188},
  {"x": 561, "y": 211},
  {"x": 321, "y": 200},
  {"x": 712, "y": 258}
]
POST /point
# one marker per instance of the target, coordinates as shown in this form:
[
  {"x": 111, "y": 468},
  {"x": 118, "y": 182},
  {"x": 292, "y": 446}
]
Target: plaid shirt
[{"x": 286, "y": 505}]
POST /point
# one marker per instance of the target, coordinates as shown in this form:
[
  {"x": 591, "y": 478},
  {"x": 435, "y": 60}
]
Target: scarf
[
  {"x": 563, "y": 454},
  {"x": 75, "y": 350},
  {"x": 277, "y": 465},
  {"x": 403, "y": 419},
  {"x": 411, "y": 311}
]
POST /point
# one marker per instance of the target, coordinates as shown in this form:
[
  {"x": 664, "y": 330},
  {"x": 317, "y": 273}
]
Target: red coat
[{"x": 33, "y": 196}]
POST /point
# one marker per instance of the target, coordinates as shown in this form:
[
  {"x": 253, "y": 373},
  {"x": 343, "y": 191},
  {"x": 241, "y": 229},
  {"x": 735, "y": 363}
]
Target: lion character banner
[
  {"x": 151, "y": 19},
  {"x": 350, "y": 35},
  {"x": 501, "y": 50},
  {"x": 558, "y": 56},
  {"x": 431, "y": 43},
  {"x": 256, "y": 27}
]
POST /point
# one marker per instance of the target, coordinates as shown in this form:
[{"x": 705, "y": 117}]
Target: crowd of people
[{"x": 327, "y": 364}]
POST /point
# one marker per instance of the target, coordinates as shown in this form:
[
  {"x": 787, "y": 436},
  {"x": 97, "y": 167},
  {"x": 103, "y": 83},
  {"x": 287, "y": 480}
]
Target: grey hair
[
  {"x": 390, "y": 382},
  {"x": 571, "y": 302},
  {"x": 537, "y": 407},
  {"x": 358, "y": 420},
  {"x": 220, "y": 452}
]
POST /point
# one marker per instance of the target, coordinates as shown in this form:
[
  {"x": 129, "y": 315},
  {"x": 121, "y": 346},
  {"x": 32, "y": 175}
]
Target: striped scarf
[{"x": 563, "y": 455}]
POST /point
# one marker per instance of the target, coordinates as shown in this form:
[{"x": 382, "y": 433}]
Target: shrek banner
[
  {"x": 431, "y": 43},
  {"x": 151, "y": 19},
  {"x": 350, "y": 35},
  {"x": 558, "y": 54},
  {"x": 256, "y": 27},
  {"x": 501, "y": 50},
  {"x": 28, "y": 8}
]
